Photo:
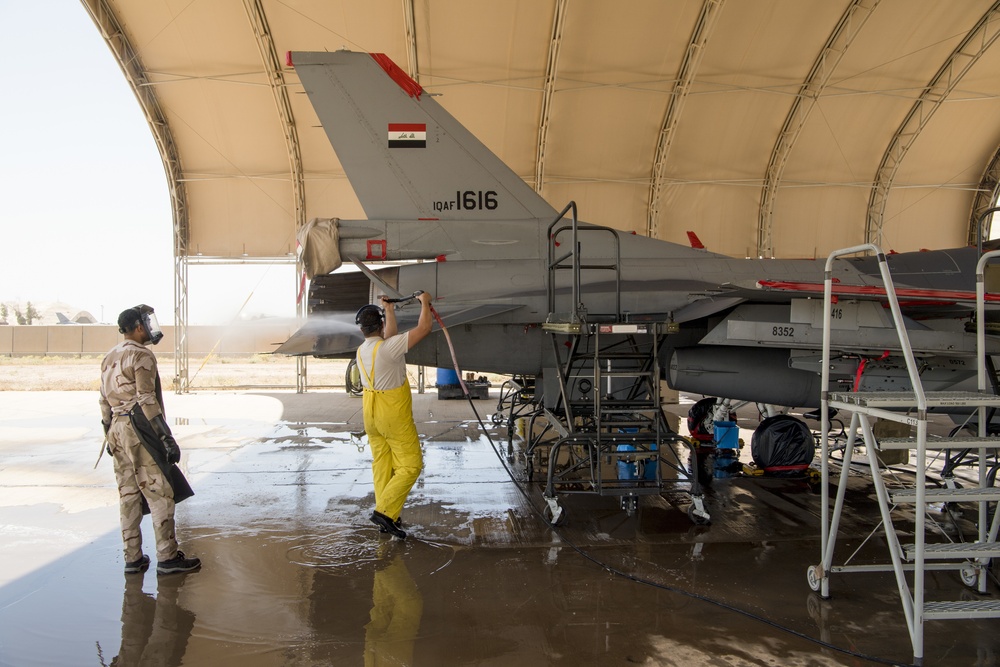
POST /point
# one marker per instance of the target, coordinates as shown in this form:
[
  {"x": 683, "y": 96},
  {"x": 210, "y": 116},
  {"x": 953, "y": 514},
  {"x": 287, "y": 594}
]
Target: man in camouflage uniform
[{"x": 141, "y": 444}]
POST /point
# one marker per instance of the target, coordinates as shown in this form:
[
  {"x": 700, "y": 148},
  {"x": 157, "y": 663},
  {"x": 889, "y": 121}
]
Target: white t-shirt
[{"x": 390, "y": 363}]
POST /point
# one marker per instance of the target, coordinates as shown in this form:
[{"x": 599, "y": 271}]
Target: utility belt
[{"x": 122, "y": 410}]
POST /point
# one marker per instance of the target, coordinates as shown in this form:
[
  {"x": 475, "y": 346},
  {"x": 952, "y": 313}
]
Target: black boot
[{"x": 387, "y": 525}]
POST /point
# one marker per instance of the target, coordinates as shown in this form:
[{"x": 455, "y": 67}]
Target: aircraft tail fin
[{"x": 405, "y": 156}]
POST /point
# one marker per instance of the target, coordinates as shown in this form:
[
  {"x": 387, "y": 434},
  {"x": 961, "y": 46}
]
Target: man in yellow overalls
[{"x": 388, "y": 407}]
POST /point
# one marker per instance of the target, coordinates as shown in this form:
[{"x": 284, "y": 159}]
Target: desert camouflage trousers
[{"x": 138, "y": 476}]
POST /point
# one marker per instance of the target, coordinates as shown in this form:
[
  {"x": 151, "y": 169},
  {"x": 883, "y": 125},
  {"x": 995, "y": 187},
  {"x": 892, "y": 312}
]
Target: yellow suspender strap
[{"x": 370, "y": 376}]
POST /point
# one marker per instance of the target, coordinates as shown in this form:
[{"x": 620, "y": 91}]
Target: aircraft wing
[
  {"x": 917, "y": 303},
  {"x": 336, "y": 334}
]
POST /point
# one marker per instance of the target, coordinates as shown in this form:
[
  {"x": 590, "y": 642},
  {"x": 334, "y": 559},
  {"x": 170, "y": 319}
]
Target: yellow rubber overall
[{"x": 396, "y": 456}]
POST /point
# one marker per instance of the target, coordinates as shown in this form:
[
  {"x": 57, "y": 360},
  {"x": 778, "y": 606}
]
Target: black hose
[{"x": 665, "y": 587}]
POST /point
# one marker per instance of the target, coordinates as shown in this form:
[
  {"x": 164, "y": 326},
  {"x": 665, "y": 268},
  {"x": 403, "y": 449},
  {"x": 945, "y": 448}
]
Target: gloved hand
[
  {"x": 107, "y": 426},
  {"x": 173, "y": 450},
  {"x": 163, "y": 433}
]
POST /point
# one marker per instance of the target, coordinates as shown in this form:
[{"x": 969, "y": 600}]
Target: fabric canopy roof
[{"x": 784, "y": 128}]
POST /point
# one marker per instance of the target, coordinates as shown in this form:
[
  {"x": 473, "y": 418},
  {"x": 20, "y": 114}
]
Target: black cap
[
  {"x": 369, "y": 318},
  {"x": 128, "y": 319}
]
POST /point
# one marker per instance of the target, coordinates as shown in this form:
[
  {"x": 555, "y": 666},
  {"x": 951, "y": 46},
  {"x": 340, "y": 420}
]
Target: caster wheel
[
  {"x": 812, "y": 576},
  {"x": 970, "y": 576},
  {"x": 547, "y": 513},
  {"x": 697, "y": 519},
  {"x": 816, "y": 607}
]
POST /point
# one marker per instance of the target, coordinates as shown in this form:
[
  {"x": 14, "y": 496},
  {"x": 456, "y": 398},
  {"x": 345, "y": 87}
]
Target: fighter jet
[{"x": 457, "y": 222}]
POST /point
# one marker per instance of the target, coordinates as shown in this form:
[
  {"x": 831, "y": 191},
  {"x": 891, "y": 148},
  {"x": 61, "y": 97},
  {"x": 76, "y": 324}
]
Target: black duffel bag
[{"x": 782, "y": 446}]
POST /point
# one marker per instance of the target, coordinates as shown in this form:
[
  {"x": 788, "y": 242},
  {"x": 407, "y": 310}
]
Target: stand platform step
[
  {"x": 907, "y": 399},
  {"x": 938, "y": 444},
  {"x": 969, "y": 495},
  {"x": 948, "y": 550},
  {"x": 962, "y": 610}
]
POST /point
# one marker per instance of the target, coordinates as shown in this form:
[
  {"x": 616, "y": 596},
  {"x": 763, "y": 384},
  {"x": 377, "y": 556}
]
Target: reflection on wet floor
[
  {"x": 155, "y": 629},
  {"x": 294, "y": 574}
]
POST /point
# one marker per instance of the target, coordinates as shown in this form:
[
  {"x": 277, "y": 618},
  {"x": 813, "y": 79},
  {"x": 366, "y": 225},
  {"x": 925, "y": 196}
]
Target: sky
[{"x": 85, "y": 214}]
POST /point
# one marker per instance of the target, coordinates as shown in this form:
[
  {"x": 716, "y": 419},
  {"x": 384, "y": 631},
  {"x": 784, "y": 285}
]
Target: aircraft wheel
[{"x": 812, "y": 576}]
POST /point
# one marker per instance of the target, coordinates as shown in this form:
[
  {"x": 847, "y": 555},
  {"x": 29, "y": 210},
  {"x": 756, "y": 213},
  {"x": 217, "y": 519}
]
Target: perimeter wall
[{"x": 68, "y": 340}]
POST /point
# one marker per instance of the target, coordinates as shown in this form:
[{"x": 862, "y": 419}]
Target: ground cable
[{"x": 631, "y": 577}]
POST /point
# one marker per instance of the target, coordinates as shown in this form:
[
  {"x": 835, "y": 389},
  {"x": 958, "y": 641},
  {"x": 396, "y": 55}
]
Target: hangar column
[
  {"x": 181, "y": 352},
  {"x": 301, "y": 310}
]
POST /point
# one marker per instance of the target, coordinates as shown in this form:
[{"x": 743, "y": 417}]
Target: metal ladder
[
  {"x": 971, "y": 559},
  {"x": 608, "y": 371}
]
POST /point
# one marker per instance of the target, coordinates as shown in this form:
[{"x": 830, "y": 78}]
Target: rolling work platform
[
  {"x": 910, "y": 562},
  {"x": 605, "y": 433}
]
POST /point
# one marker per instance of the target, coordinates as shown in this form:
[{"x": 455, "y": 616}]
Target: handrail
[
  {"x": 981, "y": 324},
  {"x": 577, "y": 265},
  {"x": 890, "y": 292},
  {"x": 576, "y": 269},
  {"x": 981, "y": 370},
  {"x": 979, "y": 227},
  {"x": 918, "y": 390}
]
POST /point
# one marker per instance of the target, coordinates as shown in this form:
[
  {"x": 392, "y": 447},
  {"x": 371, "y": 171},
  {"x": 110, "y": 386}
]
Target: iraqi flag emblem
[{"x": 407, "y": 135}]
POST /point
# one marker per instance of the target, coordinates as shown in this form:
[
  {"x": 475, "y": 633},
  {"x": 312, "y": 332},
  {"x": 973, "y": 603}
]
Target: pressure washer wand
[
  {"x": 404, "y": 299},
  {"x": 444, "y": 330}
]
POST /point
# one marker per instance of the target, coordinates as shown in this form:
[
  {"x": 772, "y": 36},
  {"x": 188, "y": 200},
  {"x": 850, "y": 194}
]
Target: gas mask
[{"x": 149, "y": 323}]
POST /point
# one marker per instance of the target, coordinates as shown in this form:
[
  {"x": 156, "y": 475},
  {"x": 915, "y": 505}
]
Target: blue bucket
[
  {"x": 446, "y": 377},
  {"x": 727, "y": 435},
  {"x": 626, "y": 469},
  {"x": 726, "y": 463},
  {"x": 649, "y": 466}
]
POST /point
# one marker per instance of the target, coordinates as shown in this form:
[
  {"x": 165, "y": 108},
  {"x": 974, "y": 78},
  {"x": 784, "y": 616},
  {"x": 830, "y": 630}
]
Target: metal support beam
[
  {"x": 710, "y": 11},
  {"x": 849, "y": 26},
  {"x": 130, "y": 63},
  {"x": 410, "y": 35},
  {"x": 548, "y": 89},
  {"x": 986, "y": 198},
  {"x": 961, "y": 60},
  {"x": 276, "y": 79}
]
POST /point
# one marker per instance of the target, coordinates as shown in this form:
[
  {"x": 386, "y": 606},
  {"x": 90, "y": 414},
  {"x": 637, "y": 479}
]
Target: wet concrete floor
[{"x": 294, "y": 574}]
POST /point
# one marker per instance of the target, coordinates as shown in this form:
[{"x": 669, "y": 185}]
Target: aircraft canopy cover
[
  {"x": 319, "y": 241},
  {"x": 782, "y": 441}
]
